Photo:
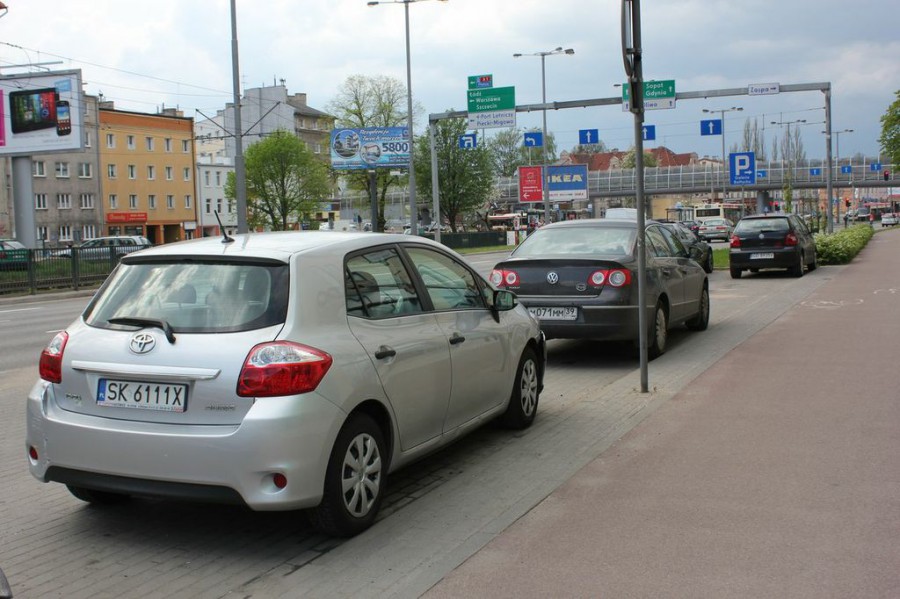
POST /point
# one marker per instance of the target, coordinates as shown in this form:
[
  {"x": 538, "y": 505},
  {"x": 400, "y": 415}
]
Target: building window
[
  {"x": 65, "y": 233},
  {"x": 113, "y": 201},
  {"x": 88, "y": 231},
  {"x": 149, "y": 141},
  {"x": 151, "y": 201},
  {"x": 43, "y": 233},
  {"x": 37, "y": 168},
  {"x": 169, "y": 174},
  {"x": 151, "y": 172},
  {"x": 187, "y": 173},
  {"x": 62, "y": 169},
  {"x": 132, "y": 171},
  {"x": 218, "y": 179},
  {"x": 219, "y": 205},
  {"x": 317, "y": 148},
  {"x": 64, "y": 201},
  {"x": 87, "y": 139},
  {"x": 208, "y": 206},
  {"x": 186, "y": 145},
  {"x": 168, "y": 144},
  {"x": 170, "y": 202},
  {"x": 40, "y": 201},
  {"x": 206, "y": 178},
  {"x": 110, "y": 140},
  {"x": 111, "y": 171},
  {"x": 187, "y": 202},
  {"x": 87, "y": 201},
  {"x": 84, "y": 170},
  {"x": 130, "y": 142},
  {"x": 132, "y": 201}
]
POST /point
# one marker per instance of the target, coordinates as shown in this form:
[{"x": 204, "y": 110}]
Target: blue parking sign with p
[{"x": 743, "y": 168}]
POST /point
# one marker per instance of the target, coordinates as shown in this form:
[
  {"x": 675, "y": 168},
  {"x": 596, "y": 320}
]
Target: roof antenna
[{"x": 225, "y": 237}]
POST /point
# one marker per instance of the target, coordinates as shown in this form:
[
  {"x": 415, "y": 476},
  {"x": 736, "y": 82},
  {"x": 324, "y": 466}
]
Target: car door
[
  {"x": 807, "y": 241},
  {"x": 670, "y": 272},
  {"x": 405, "y": 343},
  {"x": 692, "y": 274},
  {"x": 483, "y": 363}
]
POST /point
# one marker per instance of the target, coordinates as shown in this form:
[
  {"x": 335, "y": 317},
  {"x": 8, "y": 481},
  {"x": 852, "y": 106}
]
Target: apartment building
[
  {"x": 147, "y": 174},
  {"x": 213, "y": 166}
]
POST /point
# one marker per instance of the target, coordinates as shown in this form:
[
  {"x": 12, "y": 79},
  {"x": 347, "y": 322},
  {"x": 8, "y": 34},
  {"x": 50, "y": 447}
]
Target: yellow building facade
[{"x": 147, "y": 173}]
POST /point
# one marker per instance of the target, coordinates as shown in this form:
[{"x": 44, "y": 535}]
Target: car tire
[
  {"x": 97, "y": 497},
  {"x": 735, "y": 272},
  {"x": 659, "y": 333},
  {"x": 358, "y": 457},
  {"x": 701, "y": 321},
  {"x": 523, "y": 400},
  {"x": 797, "y": 269},
  {"x": 814, "y": 264},
  {"x": 708, "y": 266}
]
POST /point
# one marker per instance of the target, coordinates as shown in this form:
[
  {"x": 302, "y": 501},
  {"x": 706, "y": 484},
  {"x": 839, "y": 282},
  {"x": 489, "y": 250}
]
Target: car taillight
[
  {"x": 282, "y": 368},
  {"x": 790, "y": 239},
  {"x": 617, "y": 277},
  {"x": 735, "y": 241},
  {"x": 50, "y": 367},
  {"x": 504, "y": 278}
]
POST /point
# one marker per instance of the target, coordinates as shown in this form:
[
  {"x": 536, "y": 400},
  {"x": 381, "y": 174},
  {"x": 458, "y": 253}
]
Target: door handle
[
  {"x": 456, "y": 338},
  {"x": 385, "y": 352}
]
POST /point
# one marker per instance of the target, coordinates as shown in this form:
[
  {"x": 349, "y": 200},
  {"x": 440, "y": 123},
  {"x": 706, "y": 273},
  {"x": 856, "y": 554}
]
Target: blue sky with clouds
[{"x": 178, "y": 53}]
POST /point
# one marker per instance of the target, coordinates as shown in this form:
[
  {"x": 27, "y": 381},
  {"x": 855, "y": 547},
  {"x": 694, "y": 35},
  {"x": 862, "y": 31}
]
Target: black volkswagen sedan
[
  {"x": 772, "y": 241},
  {"x": 579, "y": 279}
]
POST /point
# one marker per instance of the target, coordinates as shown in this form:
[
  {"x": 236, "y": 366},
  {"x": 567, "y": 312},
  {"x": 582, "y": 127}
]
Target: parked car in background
[
  {"x": 13, "y": 255},
  {"x": 772, "y": 241},
  {"x": 279, "y": 370},
  {"x": 100, "y": 248},
  {"x": 579, "y": 279},
  {"x": 889, "y": 219},
  {"x": 699, "y": 250},
  {"x": 715, "y": 228}
]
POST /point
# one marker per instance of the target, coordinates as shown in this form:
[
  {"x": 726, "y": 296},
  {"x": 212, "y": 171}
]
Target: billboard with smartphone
[{"x": 41, "y": 112}]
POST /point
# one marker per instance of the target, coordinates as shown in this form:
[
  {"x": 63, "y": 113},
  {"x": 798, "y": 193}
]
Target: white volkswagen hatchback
[{"x": 280, "y": 370}]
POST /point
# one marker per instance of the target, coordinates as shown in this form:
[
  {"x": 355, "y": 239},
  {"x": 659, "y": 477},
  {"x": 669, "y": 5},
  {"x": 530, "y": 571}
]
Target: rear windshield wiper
[{"x": 134, "y": 321}]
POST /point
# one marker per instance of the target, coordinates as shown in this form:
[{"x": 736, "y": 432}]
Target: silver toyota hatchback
[{"x": 281, "y": 371}]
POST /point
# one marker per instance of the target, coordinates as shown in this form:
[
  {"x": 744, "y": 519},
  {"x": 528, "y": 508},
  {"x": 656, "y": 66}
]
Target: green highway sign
[
  {"x": 492, "y": 99},
  {"x": 657, "y": 94}
]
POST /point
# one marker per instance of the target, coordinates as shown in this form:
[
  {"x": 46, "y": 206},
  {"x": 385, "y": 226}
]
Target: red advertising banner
[
  {"x": 126, "y": 217},
  {"x": 531, "y": 184}
]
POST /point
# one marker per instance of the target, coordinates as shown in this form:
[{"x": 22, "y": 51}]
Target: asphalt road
[{"x": 438, "y": 511}]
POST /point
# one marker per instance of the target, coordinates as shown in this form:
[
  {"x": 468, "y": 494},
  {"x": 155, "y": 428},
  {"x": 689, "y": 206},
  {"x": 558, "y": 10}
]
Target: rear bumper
[
  {"x": 606, "y": 323},
  {"x": 781, "y": 258},
  {"x": 292, "y": 436}
]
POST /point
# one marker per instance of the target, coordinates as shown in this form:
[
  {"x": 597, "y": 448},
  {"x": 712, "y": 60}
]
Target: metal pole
[
  {"x": 545, "y": 185},
  {"x": 435, "y": 193},
  {"x": 240, "y": 173},
  {"x": 413, "y": 215},
  {"x": 724, "y": 175},
  {"x": 828, "y": 174}
]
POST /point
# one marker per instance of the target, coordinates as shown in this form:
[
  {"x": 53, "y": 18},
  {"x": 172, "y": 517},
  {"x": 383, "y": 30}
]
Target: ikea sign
[{"x": 566, "y": 183}]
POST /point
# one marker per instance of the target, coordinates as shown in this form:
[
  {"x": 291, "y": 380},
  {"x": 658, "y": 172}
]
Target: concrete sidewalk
[{"x": 775, "y": 473}]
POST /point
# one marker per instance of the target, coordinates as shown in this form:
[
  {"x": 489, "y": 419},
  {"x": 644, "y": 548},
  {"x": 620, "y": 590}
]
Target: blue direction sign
[
  {"x": 649, "y": 132},
  {"x": 567, "y": 183},
  {"x": 468, "y": 141},
  {"x": 847, "y": 170},
  {"x": 875, "y": 166},
  {"x": 711, "y": 127},
  {"x": 815, "y": 172},
  {"x": 534, "y": 139},
  {"x": 743, "y": 168},
  {"x": 762, "y": 173},
  {"x": 588, "y": 137}
]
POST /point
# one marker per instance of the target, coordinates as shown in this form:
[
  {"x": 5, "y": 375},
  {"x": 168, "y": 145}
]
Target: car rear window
[
  {"x": 615, "y": 241},
  {"x": 758, "y": 225},
  {"x": 195, "y": 296}
]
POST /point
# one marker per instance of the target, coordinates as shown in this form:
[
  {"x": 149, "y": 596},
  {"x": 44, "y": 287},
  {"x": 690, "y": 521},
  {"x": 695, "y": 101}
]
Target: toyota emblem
[
  {"x": 142, "y": 343},
  {"x": 552, "y": 278}
]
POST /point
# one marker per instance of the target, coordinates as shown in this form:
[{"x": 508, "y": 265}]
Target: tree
[
  {"x": 378, "y": 101},
  {"x": 754, "y": 140},
  {"x": 890, "y": 131},
  {"x": 285, "y": 182},
  {"x": 590, "y": 149},
  {"x": 466, "y": 176},
  {"x": 508, "y": 151},
  {"x": 629, "y": 159}
]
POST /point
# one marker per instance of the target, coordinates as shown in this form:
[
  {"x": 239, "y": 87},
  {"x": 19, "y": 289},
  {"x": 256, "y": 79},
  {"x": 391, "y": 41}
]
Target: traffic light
[{"x": 847, "y": 203}]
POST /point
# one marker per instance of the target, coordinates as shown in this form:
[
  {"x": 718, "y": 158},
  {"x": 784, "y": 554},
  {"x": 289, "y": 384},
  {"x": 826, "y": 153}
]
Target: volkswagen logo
[
  {"x": 552, "y": 278},
  {"x": 142, "y": 343}
]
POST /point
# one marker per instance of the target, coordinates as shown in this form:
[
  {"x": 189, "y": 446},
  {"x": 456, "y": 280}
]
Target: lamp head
[
  {"x": 517, "y": 55},
  {"x": 570, "y": 51}
]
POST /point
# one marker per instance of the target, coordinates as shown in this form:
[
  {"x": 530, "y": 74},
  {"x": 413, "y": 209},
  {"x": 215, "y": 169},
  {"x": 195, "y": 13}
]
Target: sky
[{"x": 177, "y": 53}]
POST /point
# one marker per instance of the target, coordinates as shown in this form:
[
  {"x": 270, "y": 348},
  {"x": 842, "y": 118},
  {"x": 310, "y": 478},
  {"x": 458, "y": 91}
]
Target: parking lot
[{"x": 438, "y": 512}]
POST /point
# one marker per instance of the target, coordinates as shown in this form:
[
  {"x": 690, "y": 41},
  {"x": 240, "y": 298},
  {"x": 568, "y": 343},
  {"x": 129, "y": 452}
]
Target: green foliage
[
  {"x": 629, "y": 159},
  {"x": 508, "y": 151},
  {"x": 843, "y": 246},
  {"x": 465, "y": 176},
  {"x": 285, "y": 182},
  {"x": 890, "y": 131}
]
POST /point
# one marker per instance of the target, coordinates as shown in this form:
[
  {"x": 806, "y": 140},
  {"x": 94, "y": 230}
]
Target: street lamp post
[
  {"x": 545, "y": 186},
  {"x": 837, "y": 149},
  {"x": 790, "y": 158},
  {"x": 413, "y": 214},
  {"x": 722, "y": 116}
]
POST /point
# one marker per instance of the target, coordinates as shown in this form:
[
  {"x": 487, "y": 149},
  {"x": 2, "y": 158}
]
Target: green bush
[{"x": 843, "y": 246}]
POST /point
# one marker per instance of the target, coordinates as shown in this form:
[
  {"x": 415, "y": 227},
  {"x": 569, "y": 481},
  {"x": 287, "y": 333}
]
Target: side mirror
[{"x": 504, "y": 300}]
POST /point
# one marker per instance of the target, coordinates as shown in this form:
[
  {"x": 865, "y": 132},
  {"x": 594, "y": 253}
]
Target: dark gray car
[
  {"x": 579, "y": 279},
  {"x": 772, "y": 241}
]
